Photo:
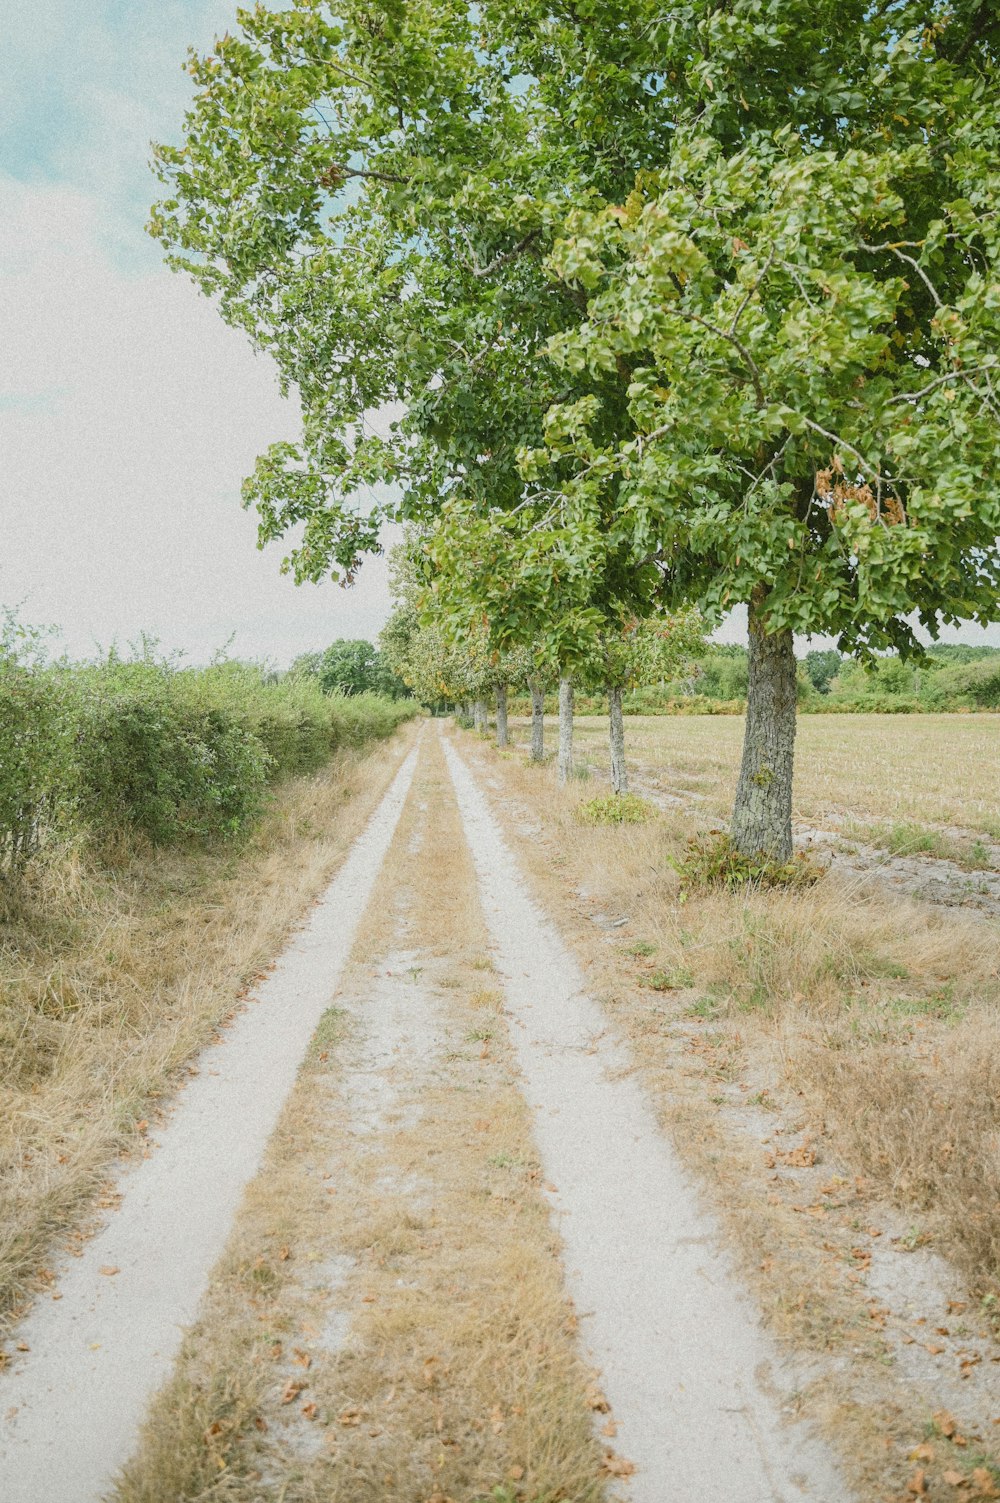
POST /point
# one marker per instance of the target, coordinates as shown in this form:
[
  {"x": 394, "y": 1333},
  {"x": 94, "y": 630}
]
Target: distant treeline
[
  {"x": 950, "y": 677},
  {"x": 149, "y": 747}
]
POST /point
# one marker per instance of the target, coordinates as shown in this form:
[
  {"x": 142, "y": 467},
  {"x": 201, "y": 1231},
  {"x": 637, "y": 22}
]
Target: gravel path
[
  {"x": 73, "y": 1402},
  {"x": 701, "y": 1400},
  {"x": 696, "y": 1388}
]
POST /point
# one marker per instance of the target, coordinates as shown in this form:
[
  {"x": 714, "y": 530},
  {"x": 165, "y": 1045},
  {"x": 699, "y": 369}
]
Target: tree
[
  {"x": 772, "y": 321},
  {"x": 811, "y": 329},
  {"x": 629, "y": 652},
  {"x": 351, "y": 667},
  {"x": 822, "y": 667}
]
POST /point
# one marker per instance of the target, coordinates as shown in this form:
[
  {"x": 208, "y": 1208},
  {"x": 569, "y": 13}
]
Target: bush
[
  {"x": 163, "y": 752},
  {"x": 713, "y": 861},
  {"x": 146, "y": 746},
  {"x": 32, "y": 759}
]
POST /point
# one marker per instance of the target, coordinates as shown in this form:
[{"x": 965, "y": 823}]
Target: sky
[{"x": 129, "y": 413}]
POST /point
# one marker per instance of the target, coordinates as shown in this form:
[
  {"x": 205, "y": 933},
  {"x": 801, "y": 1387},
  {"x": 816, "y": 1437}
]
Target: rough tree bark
[
  {"x": 480, "y": 716},
  {"x": 619, "y": 777},
  {"x": 537, "y": 722},
  {"x": 502, "y": 737},
  {"x": 762, "y": 813},
  {"x": 565, "y": 729}
]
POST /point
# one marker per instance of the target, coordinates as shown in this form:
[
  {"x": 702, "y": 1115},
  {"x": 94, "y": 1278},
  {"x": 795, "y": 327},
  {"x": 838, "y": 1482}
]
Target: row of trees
[
  {"x": 682, "y": 305},
  {"x": 604, "y": 652}
]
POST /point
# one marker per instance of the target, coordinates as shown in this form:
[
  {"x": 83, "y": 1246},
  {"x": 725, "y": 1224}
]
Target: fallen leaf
[
  {"x": 109, "y": 1271},
  {"x": 983, "y": 1485},
  {"x": 596, "y": 1399},
  {"x": 292, "y": 1390},
  {"x": 276, "y": 1350},
  {"x": 617, "y": 1466},
  {"x": 946, "y": 1423},
  {"x": 350, "y": 1417},
  {"x": 934, "y": 1347},
  {"x": 922, "y": 1453},
  {"x": 797, "y": 1158},
  {"x": 284, "y": 1254},
  {"x": 301, "y": 1358},
  {"x": 610, "y": 1429},
  {"x": 310, "y": 1411},
  {"x": 917, "y": 1483},
  {"x": 23, "y": 1346}
]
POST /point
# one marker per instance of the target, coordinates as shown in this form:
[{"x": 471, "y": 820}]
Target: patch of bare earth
[
  {"x": 389, "y": 1320},
  {"x": 112, "y": 977},
  {"x": 826, "y": 1061}
]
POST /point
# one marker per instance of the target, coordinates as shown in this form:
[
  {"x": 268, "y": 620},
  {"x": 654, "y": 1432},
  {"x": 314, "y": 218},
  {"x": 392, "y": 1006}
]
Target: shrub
[
  {"x": 713, "y": 861},
  {"x": 158, "y": 751},
  {"x": 32, "y": 759},
  {"x": 616, "y": 809}
]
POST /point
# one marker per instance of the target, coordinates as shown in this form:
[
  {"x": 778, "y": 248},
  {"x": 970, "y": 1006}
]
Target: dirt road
[{"x": 695, "y": 1396}]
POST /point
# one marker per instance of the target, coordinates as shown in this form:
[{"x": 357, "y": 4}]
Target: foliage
[
  {"x": 350, "y": 667},
  {"x": 33, "y": 752},
  {"x": 615, "y": 809},
  {"x": 822, "y": 667},
  {"x": 157, "y": 751},
  {"x": 713, "y": 861},
  {"x": 145, "y": 745},
  {"x": 810, "y": 325}
]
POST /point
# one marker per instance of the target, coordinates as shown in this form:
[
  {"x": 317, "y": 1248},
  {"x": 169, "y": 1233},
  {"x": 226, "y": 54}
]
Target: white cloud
[{"x": 129, "y": 414}]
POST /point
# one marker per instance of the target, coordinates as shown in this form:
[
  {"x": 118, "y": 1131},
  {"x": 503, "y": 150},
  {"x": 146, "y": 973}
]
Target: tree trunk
[
  {"x": 537, "y": 722},
  {"x": 619, "y": 777},
  {"x": 502, "y": 738},
  {"x": 565, "y": 729},
  {"x": 480, "y": 717},
  {"x": 762, "y": 813}
]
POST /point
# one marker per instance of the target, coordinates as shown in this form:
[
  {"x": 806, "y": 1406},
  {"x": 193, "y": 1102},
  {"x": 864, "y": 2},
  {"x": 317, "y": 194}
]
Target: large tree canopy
[{"x": 717, "y": 283}]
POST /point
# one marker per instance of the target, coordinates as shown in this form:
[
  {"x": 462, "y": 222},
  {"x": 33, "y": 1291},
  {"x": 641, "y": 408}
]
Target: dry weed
[
  {"x": 857, "y": 1023},
  {"x": 112, "y": 977}
]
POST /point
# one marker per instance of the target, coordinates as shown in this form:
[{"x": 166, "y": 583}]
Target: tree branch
[
  {"x": 960, "y": 375},
  {"x": 895, "y": 250},
  {"x": 507, "y": 256}
]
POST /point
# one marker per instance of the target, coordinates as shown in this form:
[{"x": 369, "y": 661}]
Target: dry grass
[
  {"x": 863, "y": 1025},
  {"x": 931, "y": 769},
  {"x": 112, "y": 978},
  {"x": 401, "y": 1266}
]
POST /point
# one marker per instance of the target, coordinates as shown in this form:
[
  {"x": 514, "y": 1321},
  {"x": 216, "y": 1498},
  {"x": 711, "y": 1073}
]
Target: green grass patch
[{"x": 616, "y": 809}]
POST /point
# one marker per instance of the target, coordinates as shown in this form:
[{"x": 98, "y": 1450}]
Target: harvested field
[{"x": 936, "y": 770}]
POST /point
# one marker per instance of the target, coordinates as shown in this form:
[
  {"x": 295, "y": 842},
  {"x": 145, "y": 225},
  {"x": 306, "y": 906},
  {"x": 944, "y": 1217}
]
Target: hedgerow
[{"x": 144, "y": 746}]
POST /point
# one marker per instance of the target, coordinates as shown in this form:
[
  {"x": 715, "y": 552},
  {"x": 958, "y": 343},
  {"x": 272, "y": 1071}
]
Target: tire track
[
  {"x": 88, "y": 1362},
  {"x": 696, "y": 1388}
]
